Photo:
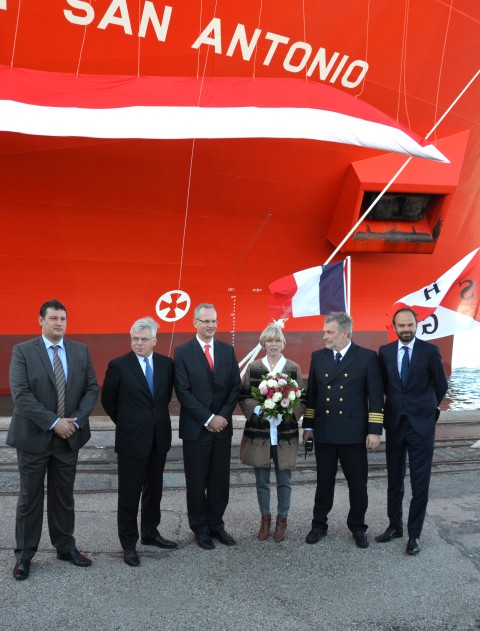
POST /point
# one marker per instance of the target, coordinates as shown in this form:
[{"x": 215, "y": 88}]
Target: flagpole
[{"x": 348, "y": 277}]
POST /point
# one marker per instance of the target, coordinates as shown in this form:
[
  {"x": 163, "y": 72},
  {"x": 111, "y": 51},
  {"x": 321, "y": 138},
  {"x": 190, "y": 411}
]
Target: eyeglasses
[{"x": 208, "y": 322}]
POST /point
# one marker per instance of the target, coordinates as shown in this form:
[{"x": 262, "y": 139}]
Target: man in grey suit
[
  {"x": 54, "y": 390},
  {"x": 207, "y": 383}
]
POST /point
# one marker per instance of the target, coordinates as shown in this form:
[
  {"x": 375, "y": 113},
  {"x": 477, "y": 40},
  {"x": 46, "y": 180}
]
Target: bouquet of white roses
[{"x": 277, "y": 395}]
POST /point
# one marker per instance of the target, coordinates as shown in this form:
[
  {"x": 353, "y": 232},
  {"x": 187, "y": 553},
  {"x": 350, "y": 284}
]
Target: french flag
[
  {"x": 119, "y": 106},
  {"x": 310, "y": 292}
]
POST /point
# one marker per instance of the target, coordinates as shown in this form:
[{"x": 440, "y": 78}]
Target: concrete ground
[{"x": 331, "y": 586}]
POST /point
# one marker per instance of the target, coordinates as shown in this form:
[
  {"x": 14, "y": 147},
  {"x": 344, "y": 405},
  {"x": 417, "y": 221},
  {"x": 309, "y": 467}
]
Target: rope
[
  {"x": 441, "y": 61},
  {"x": 189, "y": 184},
  {"x": 15, "y": 36},
  {"x": 256, "y": 47}
]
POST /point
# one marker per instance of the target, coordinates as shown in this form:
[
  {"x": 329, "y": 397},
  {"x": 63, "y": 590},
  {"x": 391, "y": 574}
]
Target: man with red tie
[
  {"x": 136, "y": 392},
  {"x": 207, "y": 383}
]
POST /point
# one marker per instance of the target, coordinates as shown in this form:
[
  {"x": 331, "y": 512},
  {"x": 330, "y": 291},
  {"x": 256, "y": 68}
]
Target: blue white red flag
[
  {"x": 447, "y": 306},
  {"x": 310, "y": 292}
]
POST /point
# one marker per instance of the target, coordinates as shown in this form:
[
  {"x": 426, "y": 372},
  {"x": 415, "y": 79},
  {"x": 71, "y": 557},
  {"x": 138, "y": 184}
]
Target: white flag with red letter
[
  {"x": 314, "y": 291},
  {"x": 447, "y": 306}
]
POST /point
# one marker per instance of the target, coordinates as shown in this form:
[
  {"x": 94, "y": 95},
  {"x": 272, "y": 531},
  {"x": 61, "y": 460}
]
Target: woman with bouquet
[{"x": 272, "y": 402}]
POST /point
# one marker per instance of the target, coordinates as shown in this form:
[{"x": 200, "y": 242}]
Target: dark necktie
[
  {"x": 60, "y": 382},
  {"x": 338, "y": 357},
  {"x": 149, "y": 375},
  {"x": 404, "y": 366},
  {"x": 208, "y": 356}
]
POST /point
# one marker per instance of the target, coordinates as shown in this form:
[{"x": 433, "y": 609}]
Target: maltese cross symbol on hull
[{"x": 173, "y": 305}]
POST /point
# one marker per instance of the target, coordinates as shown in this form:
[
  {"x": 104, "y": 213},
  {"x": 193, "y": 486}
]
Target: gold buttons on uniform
[
  {"x": 340, "y": 399},
  {"x": 341, "y": 387},
  {"x": 340, "y": 412},
  {"x": 326, "y": 374},
  {"x": 327, "y": 411},
  {"x": 346, "y": 374},
  {"x": 329, "y": 387},
  {"x": 327, "y": 399}
]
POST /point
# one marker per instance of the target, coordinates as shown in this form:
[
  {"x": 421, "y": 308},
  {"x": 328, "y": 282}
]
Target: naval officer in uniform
[{"x": 344, "y": 415}]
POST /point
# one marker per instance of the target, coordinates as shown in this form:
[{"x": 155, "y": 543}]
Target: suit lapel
[
  {"x": 139, "y": 374},
  {"x": 393, "y": 350},
  {"x": 45, "y": 359},
  {"x": 217, "y": 357},
  {"x": 200, "y": 355}
]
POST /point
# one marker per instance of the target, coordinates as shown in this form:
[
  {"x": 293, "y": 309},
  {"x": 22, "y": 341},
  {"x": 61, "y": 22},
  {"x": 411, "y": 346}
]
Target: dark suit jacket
[
  {"x": 34, "y": 392},
  {"x": 426, "y": 386},
  {"x": 202, "y": 392},
  {"x": 138, "y": 416},
  {"x": 344, "y": 401}
]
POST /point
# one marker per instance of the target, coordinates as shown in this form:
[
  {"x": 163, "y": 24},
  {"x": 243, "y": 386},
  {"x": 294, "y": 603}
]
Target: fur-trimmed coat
[{"x": 255, "y": 443}]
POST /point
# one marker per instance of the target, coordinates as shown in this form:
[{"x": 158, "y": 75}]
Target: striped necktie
[{"x": 60, "y": 381}]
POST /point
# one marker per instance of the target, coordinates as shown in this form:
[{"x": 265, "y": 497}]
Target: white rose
[
  {"x": 291, "y": 395},
  {"x": 269, "y": 404},
  {"x": 294, "y": 383},
  {"x": 272, "y": 383},
  {"x": 277, "y": 397},
  {"x": 263, "y": 384}
]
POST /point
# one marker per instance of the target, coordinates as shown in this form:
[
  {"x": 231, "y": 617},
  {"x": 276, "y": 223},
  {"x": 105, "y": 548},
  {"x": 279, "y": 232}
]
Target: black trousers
[
  {"x": 420, "y": 454},
  {"x": 59, "y": 464},
  {"x": 207, "y": 476},
  {"x": 139, "y": 478},
  {"x": 353, "y": 459}
]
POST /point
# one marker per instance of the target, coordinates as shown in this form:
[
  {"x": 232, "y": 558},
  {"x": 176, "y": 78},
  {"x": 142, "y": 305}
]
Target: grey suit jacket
[{"x": 32, "y": 382}]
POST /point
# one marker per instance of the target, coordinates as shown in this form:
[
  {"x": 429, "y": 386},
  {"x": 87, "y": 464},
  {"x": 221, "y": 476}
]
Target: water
[{"x": 464, "y": 390}]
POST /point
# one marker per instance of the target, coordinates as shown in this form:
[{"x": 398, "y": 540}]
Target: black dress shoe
[
  {"x": 413, "y": 546},
  {"x": 389, "y": 534},
  {"x": 21, "y": 569},
  {"x": 204, "y": 540},
  {"x": 223, "y": 536},
  {"x": 361, "y": 540},
  {"x": 158, "y": 541},
  {"x": 75, "y": 557},
  {"x": 131, "y": 557},
  {"x": 315, "y": 535}
]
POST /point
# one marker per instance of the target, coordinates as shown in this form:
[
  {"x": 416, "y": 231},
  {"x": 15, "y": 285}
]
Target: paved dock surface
[{"x": 331, "y": 586}]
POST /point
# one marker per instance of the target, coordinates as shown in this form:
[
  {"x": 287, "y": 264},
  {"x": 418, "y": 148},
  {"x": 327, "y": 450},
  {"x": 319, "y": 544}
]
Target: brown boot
[
  {"x": 265, "y": 527},
  {"x": 280, "y": 529}
]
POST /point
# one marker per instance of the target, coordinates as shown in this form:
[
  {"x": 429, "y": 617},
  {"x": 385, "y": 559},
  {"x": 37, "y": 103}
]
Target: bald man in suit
[
  {"x": 207, "y": 383},
  {"x": 54, "y": 390}
]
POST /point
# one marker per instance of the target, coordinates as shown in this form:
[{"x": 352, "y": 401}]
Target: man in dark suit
[
  {"x": 415, "y": 384},
  {"x": 54, "y": 390},
  {"x": 207, "y": 383},
  {"x": 344, "y": 414},
  {"x": 136, "y": 392}
]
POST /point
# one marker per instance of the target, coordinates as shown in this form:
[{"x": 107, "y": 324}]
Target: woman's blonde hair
[{"x": 272, "y": 332}]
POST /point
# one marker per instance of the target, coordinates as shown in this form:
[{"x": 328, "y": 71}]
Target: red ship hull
[{"x": 108, "y": 226}]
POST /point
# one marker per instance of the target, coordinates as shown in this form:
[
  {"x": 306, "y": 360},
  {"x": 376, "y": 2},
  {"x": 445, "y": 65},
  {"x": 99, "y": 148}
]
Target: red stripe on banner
[{"x": 54, "y": 89}]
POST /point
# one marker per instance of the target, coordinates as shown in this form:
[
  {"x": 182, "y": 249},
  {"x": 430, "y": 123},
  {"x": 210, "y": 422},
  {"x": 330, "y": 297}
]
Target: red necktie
[{"x": 208, "y": 356}]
